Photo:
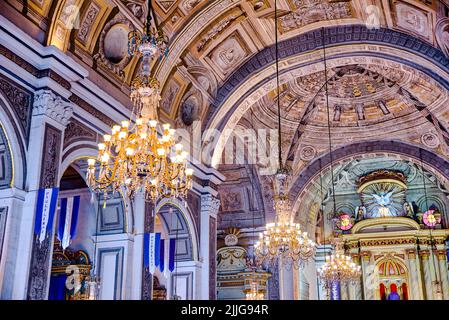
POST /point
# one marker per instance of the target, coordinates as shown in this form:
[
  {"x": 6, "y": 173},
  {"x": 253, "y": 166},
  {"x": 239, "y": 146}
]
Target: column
[
  {"x": 147, "y": 277},
  {"x": 286, "y": 282},
  {"x": 50, "y": 117},
  {"x": 424, "y": 255},
  {"x": 138, "y": 207},
  {"x": 208, "y": 246},
  {"x": 369, "y": 284},
  {"x": 344, "y": 291},
  {"x": 415, "y": 290},
  {"x": 355, "y": 288},
  {"x": 442, "y": 261}
]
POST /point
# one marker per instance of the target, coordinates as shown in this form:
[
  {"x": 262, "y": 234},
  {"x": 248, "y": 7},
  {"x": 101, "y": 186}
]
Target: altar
[{"x": 400, "y": 248}]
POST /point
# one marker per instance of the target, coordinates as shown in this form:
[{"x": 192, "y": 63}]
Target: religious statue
[
  {"x": 408, "y": 209},
  {"x": 319, "y": 227},
  {"x": 360, "y": 213}
]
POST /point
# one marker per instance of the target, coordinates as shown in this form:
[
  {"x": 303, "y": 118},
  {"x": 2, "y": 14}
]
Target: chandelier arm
[{"x": 277, "y": 85}]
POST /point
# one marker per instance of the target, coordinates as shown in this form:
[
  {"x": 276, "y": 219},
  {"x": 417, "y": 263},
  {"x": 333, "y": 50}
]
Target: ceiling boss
[{"x": 140, "y": 155}]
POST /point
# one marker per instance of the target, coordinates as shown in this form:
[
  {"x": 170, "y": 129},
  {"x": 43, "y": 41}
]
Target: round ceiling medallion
[
  {"x": 231, "y": 240},
  {"x": 115, "y": 43},
  {"x": 430, "y": 140},
  {"x": 307, "y": 153}
]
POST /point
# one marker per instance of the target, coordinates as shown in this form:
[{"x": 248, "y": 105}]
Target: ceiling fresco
[{"x": 220, "y": 71}]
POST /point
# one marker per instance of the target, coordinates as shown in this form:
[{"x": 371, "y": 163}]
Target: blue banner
[
  {"x": 45, "y": 211},
  {"x": 335, "y": 291},
  {"x": 146, "y": 252},
  {"x": 162, "y": 255},
  {"x": 157, "y": 248},
  {"x": 171, "y": 255},
  {"x": 68, "y": 220}
]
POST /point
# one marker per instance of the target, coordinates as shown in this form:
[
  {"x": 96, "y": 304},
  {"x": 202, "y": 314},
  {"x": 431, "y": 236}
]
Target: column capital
[
  {"x": 424, "y": 254},
  {"x": 441, "y": 254},
  {"x": 210, "y": 204},
  {"x": 366, "y": 255},
  {"x": 47, "y": 103},
  {"x": 411, "y": 253}
]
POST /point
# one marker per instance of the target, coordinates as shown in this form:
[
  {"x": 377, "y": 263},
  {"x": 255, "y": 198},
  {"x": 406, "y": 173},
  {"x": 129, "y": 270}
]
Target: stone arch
[
  {"x": 233, "y": 95},
  {"x": 182, "y": 227},
  {"x": 431, "y": 162},
  {"x": 14, "y": 147},
  {"x": 77, "y": 152}
]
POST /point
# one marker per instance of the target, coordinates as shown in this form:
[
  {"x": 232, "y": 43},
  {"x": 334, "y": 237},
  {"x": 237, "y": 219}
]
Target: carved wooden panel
[
  {"x": 76, "y": 131},
  {"x": 20, "y": 101},
  {"x": 50, "y": 157}
]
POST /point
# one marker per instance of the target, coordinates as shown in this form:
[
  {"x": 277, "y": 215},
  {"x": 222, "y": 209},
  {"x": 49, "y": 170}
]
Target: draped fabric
[
  {"x": 152, "y": 251},
  {"x": 171, "y": 256},
  {"x": 68, "y": 220},
  {"x": 45, "y": 211},
  {"x": 335, "y": 291},
  {"x": 162, "y": 255},
  {"x": 57, "y": 287}
]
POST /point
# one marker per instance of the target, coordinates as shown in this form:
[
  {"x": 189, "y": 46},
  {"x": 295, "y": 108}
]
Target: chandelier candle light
[
  {"x": 283, "y": 241},
  {"x": 339, "y": 268},
  {"x": 135, "y": 157}
]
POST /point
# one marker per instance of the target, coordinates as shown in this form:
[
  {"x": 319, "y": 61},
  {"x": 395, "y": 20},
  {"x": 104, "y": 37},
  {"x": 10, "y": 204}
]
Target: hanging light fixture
[
  {"x": 254, "y": 293},
  {"x": 282, "y": 241},
  {"x": 152, "y": 42},
  {"x": 338, "y": 267},
  {"x": 135, "y": 157}
]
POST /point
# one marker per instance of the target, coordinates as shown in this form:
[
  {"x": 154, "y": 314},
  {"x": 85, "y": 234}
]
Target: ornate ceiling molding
[
  {"x": 256, "y": 77},
  {"x": 432, "y": 162}
]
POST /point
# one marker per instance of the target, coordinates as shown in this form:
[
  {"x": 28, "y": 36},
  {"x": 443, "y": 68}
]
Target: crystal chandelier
[
  {"x": 283, "y": 241},
  {"x": 152, "y": 40},
  {"x": 338, "y": 268},
  {"x": 135, "y": 157},
  {"x": 254, "y": 293}
]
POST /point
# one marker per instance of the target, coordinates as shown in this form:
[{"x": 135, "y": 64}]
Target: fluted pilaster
[
  {"x": 424, "y": 255},
  {"x": 415, "y": 292},
  {"x": 442, "y": 261}
]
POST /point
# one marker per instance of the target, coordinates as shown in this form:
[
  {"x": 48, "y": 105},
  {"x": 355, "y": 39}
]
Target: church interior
[{"x": 224, "y": 149}]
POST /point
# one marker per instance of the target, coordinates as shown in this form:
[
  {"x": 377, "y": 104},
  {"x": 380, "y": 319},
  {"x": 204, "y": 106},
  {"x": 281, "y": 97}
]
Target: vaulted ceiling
[{"x": 385, "y": 84}]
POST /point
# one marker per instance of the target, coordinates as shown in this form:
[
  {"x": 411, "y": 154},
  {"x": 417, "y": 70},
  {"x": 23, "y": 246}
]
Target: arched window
[{"x": 392, "y": 280}]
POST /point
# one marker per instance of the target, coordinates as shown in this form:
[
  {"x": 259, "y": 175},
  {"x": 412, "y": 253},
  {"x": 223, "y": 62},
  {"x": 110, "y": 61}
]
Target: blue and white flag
[
  {"x": 335, "y": 291},
  {"x": 68, "y": 219},
  {"x": 171, "y": 255},
  {"x": 45, "y": 212},
  {"x": 152, "y": 262},
  {"x": 162, "y": 255},
  {"x": 150, "y": 242},
  {"x": 157, "y": 249}
]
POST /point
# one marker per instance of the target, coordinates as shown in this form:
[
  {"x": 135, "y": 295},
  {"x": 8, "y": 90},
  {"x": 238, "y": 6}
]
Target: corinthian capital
[
  {"x": 46, "y": 102},
  {"x": 210, "y": 204}
]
